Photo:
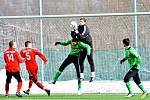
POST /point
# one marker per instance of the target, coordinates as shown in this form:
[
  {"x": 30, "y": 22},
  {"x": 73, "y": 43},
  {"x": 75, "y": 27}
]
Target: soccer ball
[{"x": 74, "y": 25}]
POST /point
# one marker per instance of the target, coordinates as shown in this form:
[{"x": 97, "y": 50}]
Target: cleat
[
  {"x": 91, "y": 79},
  {"x": 7, "y": 95},
  {"x": 129, "y": 95},
  {"x": 27, "y": 92},
  {"x": 48, "y": 92},
  {"x": 54, "y": 82},
  {"x": 18, "y": 94},
  {"x": 144, "y": 95}
]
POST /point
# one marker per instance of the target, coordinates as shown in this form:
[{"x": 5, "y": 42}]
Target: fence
[{"x": 107, "y": 29}]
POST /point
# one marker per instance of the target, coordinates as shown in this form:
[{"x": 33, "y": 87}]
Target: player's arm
[
  {"x": 20, "y": 59},
  {"x": 65, "y": 43},
  {"x": 84, "y": 34},
  {"x": 83, "y": 45},
  {"x": 135, "y": 54},
  {"x": 21, "y": 53},
  {"x": 124, "y": 59},
  {"x": 42, "y": 56}
]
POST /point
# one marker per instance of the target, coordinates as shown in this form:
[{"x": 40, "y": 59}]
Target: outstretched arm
[
  {"x": 65, "y": 43},
  {"x": 42, "y": 56}
]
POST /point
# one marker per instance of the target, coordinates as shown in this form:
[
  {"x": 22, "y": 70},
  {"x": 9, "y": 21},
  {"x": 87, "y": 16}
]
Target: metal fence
[{"x": 116, "y": 20}]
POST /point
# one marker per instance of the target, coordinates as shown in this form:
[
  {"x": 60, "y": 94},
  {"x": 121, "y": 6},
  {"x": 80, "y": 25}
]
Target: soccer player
[
  {"x": 31, "y": 65},
  {"x": 85, "y": 36},
  {"x": 12, "y": 59},
  {"x": 134, "y": 61},
  {"x": 76, "y": 46}
]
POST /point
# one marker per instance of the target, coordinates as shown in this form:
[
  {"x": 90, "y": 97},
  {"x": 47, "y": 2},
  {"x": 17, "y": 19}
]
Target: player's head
[
  {"x": 82, "y": 21},
  {"x": 126, "y": 42},
  {"x": 28, "y": 44},
  {"x": 73, "y": 35},
  {"x": 12, "y": 44}
]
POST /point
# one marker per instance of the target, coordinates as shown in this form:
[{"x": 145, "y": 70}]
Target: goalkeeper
[
  {"x": 83, "y": 34},
  {"x": 76, "y": 46},
  {"x": 134, "y": 61}
]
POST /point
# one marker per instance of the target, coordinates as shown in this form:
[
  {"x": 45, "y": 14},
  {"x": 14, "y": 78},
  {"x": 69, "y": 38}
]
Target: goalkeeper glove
[
  {"x": 123, "y": 60},
  {"x": 56, "y": 43}
]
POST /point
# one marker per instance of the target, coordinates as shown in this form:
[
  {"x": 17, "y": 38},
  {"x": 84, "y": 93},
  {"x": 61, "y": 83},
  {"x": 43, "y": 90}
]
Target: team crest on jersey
[{"x": 73, "y": 43}]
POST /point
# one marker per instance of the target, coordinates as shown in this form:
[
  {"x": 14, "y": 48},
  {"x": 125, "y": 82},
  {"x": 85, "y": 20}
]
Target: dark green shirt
[{"x": 76, "y": 47}]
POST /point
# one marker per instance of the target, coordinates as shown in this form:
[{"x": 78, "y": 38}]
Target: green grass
[{"x": 75, "y": 97}]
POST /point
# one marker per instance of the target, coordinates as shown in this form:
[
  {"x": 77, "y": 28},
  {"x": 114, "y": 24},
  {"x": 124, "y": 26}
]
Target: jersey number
[
  {"x": 10, "y": 57},
  {"x": 28, "y": 57}
]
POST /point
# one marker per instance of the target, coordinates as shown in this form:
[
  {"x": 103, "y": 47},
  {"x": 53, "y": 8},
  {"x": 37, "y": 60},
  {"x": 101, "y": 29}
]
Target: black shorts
[
  {"x": 133, "y": 72},
  {"x": 16, "y": 75}
]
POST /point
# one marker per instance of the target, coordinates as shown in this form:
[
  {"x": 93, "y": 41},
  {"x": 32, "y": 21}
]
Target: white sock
[
  {"x": 92, "y": 74},
  {"x": 81, "y": 75}
]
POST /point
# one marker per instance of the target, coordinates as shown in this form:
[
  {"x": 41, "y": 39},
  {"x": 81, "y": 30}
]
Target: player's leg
[
  {"x": 137, "y": 80},
  {"x": 91, "y": 62},
  {"x": 66, "y": 62},
  {"x": 127, "y": 77},
  {"x": 30, "y": 83},
  {"x": 40, "y": 85},
  {"x": 76, "y": 64},
  {"x": 8, "y": 81},
  {"x": 19, "y": 86},
  {"x": 82, "y": 57}
]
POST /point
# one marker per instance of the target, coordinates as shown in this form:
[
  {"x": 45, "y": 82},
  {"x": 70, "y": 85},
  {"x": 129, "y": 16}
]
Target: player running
[
  {"x": 134, "y": 61},
  {"x": 76, "y": 46},
  {"x": 12, "y": 59},
  {"x": 31, "y": 65}
]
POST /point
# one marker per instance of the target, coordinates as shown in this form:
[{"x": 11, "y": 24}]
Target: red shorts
[{"x": 33, "y": 75}]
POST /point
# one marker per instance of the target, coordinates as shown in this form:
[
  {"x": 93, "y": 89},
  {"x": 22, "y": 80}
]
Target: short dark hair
[
  {"x": 73, "y": 34},
  {"x": 82, "y": 18},
  {"x": 11, "y": 43},
  {"x": 126, "y": 41},
  {"x": 27, "y": 43}
]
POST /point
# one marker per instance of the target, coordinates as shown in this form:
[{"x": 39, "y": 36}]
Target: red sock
[
  {"x": 7, "y": 87},
  {"x": 19, "y": 87},
  {"x": 30, "y": 83},
  {"x": 39, "y": 85}
]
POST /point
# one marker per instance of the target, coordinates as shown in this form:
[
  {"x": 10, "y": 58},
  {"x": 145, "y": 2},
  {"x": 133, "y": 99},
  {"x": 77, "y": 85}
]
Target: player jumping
[
  {"x": 31, "y": 65},
  {"x": 83, "y": 34},
  {"x": 12, "y": 59},
  {"x": 76, "y": 46},
  {"x": 134, "y": 61}
]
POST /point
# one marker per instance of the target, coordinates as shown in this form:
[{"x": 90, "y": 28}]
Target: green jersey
[
  {"x": 133, "y": 57},
  {"x": 76, "y": 47}
]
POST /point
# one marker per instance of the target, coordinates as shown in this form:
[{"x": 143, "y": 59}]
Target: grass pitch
[{"x": 75, "y": 97}]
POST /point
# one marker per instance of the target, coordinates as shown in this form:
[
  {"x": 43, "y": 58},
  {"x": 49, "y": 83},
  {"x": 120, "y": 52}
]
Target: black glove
[
  {"x": 123, "y": 60},
  {"x": 56, "y": 43}
]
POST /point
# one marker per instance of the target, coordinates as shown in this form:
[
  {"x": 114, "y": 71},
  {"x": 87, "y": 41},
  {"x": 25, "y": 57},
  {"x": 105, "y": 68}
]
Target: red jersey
[
  {"x": 30, "y": 54},
  {"x": 12, "y": 59}
]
